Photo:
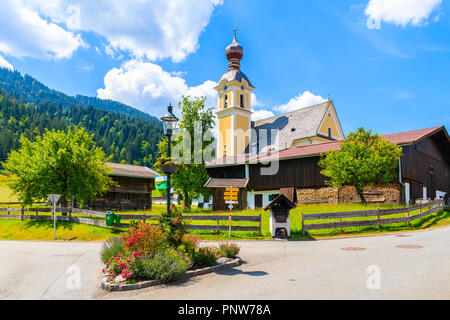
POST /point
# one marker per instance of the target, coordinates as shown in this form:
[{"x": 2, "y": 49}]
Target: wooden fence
[
  {"x": 19, "y": 214},
  {"x": 424, "y": 210}
]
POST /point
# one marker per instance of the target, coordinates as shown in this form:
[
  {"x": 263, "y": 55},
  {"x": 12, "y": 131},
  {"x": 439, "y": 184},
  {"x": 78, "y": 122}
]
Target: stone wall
[{"x": 347, "y": 194}]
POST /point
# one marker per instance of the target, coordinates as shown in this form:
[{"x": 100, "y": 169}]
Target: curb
[{"x": 110, "y": 287}]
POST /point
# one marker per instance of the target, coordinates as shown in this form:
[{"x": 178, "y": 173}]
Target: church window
[
  {"x": 330, "y": 132},
  {"x": 242, "y": 101},
  {"x": 226, "y": 101},
  {"x": 292, "y": 129}
]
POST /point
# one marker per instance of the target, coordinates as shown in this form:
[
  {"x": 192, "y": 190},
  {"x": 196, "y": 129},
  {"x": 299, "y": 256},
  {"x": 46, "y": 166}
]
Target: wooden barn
[
  {"x": 133, "y": 190},
  {"x": 424, "y": 170}
]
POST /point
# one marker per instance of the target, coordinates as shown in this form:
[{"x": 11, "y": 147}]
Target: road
[{"x": 272, "y": 270}]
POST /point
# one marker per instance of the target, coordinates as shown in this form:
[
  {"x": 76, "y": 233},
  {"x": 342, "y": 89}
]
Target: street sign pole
[
  {"x": 54, "y": 199},
  {"x": 230, "y": 197},
  {"x": 229, "y": 221},
  {"x": 54, "y": 218}
]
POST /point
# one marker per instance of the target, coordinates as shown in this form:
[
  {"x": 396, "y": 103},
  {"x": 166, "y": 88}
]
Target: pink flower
[
  {"x": 135, "y": 254},
  {"x": 103, "y": 270},
  {"x": 122, "y": 265},
  {"x": 128, "y": 275},
  {"x": 141, "y": 252}
]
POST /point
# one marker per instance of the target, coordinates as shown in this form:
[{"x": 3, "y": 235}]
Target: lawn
[{"x": 5, "y": 193}]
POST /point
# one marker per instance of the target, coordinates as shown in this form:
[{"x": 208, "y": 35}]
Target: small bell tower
[{"x": 234, "y": 105}]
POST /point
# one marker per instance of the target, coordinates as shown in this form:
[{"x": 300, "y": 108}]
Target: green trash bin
[
  {"x": 117, "y": 218},
  {"x": 110, "y": 218}
]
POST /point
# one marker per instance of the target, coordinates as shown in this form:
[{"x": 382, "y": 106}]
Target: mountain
[
  {"x": 30, "y": 90},
  {"x": 28, "y": 108}
]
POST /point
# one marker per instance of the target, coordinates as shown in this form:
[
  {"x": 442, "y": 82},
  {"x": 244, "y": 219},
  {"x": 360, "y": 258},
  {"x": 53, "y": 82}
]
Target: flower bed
[
  {"x": 148, "y": 255},
  {"x": 109, "y": 284}
]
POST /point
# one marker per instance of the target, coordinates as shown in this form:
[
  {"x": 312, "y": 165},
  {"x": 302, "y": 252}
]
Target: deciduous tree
[
  {"x": 62, "y": 162},
  {"x": 364, "y": 159}
]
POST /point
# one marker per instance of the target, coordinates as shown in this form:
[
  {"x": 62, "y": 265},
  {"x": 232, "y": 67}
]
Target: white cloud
[
  {"x": 303, "y": 100},
  {"x": 399, "y": 12},
  {"x": 147, "y": 86},
  {"x": 153, "y": 29},
  {"x": 5, "y": 64},
  {"x": 26, "y": 34},
  {"x": 261, "y": 114}
]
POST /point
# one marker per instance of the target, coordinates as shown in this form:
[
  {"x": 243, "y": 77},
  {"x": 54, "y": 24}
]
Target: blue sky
[{"x": 384, "y": 63}]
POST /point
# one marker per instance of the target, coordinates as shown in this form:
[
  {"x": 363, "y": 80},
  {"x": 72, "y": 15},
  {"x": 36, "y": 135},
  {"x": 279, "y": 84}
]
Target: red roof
[
  {"x": 400, "y": 138},
  {"x": 410, "y": 136}
]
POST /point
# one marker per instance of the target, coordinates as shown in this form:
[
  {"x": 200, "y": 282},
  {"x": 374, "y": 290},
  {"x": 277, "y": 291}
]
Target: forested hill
[
  {"x": 30, "y": 90},
  {"x": 126, "y": 138}
]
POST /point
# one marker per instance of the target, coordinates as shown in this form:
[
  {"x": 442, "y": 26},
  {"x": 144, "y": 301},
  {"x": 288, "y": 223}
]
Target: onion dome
[{"x": 234, "y": 53}]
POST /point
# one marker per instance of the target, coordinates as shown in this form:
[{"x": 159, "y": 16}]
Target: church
[{"x": 280, "y": 154}]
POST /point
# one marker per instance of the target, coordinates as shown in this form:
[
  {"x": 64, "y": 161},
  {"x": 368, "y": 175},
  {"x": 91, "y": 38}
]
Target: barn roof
[
  {"x": 226, "y": 183},
  {"x": 127, "y": 170},
  {"x": 401, "y": 138}
]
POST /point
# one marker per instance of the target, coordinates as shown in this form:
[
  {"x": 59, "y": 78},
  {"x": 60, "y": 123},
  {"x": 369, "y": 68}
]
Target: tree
[
  {"x": 364, "y": 159},
  {"x": 191, "y": 177},
  {"x": 61, "y": 162}
]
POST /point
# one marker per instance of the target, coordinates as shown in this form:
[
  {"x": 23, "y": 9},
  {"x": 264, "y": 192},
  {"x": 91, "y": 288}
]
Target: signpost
[
  {"x": 54, "y": 199},
  {"x": 230, "y": 197},
  {"x": 161, "y": 183}
]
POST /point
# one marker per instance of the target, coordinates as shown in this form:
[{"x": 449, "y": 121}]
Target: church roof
[
  {"x": 297, "y": 124},
  {"x": 234, "y": 74}
]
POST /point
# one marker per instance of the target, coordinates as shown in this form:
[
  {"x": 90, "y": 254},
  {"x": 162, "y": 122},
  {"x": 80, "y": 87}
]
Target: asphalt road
[{"x": 272, "y": 270}]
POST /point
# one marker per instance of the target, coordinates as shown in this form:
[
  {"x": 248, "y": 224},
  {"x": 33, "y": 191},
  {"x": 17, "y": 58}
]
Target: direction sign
[
  {"x": 231, "y": 202},
  {"x": 232, "y": 189},
  {"x": 230, "y": 193},
  {"x": 161, "y": 179},
  {"x": 230, "y": 198},
  {"x": 54, "y": 198}
]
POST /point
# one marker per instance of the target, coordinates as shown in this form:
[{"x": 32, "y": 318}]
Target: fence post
[
  {"x": 340, "y": 221},
  {"x": 303, "y": 225},
  {"x": 260, "y": 224},
  {"x": 218, "y": 229},
  {"x": 37, "y": 210},
  {"x": 70, "y": 214},
  {"x": 408, "y": 223},
  {"x": 378, "y": 217}
]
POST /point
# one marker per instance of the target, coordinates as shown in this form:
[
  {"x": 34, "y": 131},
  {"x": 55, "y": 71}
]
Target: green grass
[
  {"x": 43, "y": 230},
  {"x": 5, "y": 193}
]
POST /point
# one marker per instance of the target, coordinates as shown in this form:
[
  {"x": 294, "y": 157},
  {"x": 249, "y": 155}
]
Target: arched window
[
  {"x": 226, "y": 101},
  {"x": 242, "y": 104},
  {"x": 330, "y": 132}
]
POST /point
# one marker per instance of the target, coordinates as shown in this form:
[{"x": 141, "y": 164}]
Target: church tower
[{"x": 234, "y": 106}]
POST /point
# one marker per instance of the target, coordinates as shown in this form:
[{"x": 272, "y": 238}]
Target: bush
[
  {"x": 173, "y": 226},
  {"x": 111, "y": 248},
  {"x": 190, "y": 243},
  {"x": 168, "y": 265},
  {"x": 205, "y": 256},
  {"x": 228, "y": 250},
  {"x": 145, "y": 237}
]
